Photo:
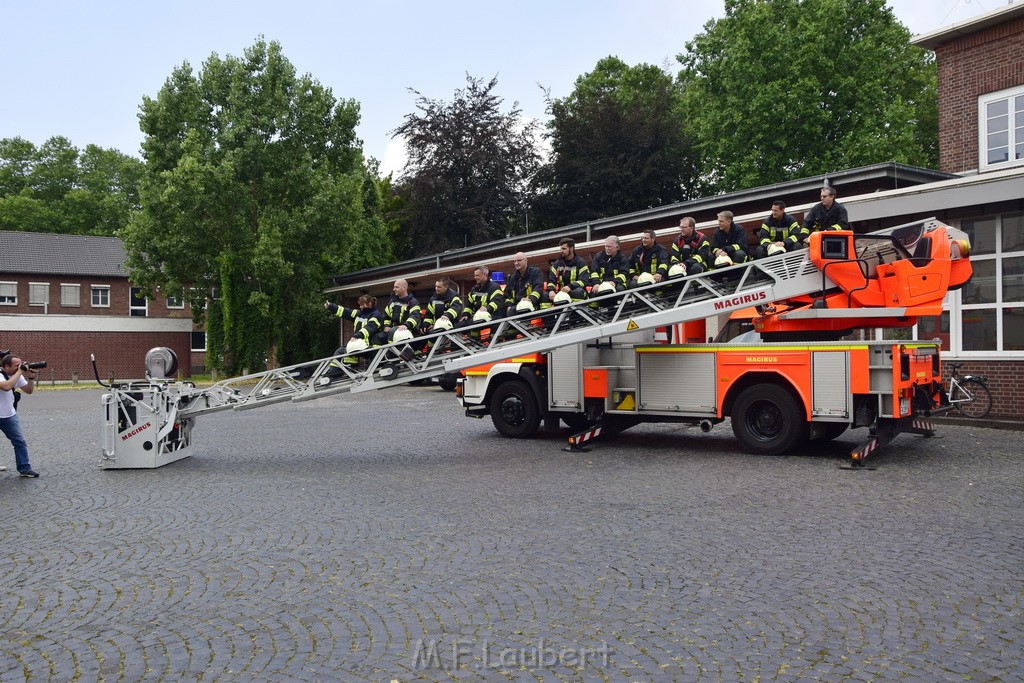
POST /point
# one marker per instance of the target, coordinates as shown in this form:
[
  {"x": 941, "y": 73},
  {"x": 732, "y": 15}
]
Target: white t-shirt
[{"x": 7, "y": 399}]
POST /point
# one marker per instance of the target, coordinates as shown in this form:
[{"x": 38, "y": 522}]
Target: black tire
[
  {"x": 575, "y": 421},
  {"x": 768, "y": 420},
  {"x": 514, "y": 410},
  {"x": 832, "y": 430},
  {"x": 982, "y": 403},
  {"x": 448, "y": 381}
]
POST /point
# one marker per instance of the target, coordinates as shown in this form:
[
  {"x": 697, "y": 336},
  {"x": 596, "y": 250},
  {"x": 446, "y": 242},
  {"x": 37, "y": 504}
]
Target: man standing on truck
[
  {"x": 568, "y": 276},
  {"x": 524, "y": 287},
  {"x": 826, "y": 215},
  {"x": 779, "y": 233}
]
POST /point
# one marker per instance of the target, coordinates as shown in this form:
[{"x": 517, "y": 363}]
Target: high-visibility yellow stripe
[{"x": 744, "y": 349}]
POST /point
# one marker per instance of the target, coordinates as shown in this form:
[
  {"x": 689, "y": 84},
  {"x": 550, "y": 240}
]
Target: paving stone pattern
[{"x": 386, "y": 537}]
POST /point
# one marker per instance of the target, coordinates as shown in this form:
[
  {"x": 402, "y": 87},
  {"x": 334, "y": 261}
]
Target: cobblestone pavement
[{"x": 385, "y": 537}]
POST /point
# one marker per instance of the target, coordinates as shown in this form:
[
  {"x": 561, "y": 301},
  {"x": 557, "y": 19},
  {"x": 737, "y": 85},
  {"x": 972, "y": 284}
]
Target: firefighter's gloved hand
[{"x": 333, "y": 308}]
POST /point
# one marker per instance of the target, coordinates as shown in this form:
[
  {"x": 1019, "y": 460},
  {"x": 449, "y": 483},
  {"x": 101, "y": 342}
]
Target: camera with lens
[{"x": 38, "y": 365}]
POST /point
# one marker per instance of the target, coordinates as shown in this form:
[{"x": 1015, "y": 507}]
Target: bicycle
[{"x": 969, "y": 394}]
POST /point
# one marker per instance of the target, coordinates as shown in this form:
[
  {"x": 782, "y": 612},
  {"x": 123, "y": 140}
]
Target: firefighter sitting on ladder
[
  {"x": 524, "y": 286},
  {"x": 649, "y": 261},
  {"x": 568, "y": 276},
  {"x": 779, "y": 233},
  {"x": 691, "y": 252},
  {"x": 484, "y": 302},
  {"x": 366, "y": 322},
  {"x": 609, "y": 271}
]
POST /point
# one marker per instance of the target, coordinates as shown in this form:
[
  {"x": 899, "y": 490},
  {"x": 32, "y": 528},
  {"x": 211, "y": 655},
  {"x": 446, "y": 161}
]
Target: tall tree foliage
[
  {"x": 618, "y": 144},
  {"x": 59, "y": 188},
  {"x": 784, "y": 89},
  {"x": 254, "y": 189},
  {"x": 467, "y": 177}
]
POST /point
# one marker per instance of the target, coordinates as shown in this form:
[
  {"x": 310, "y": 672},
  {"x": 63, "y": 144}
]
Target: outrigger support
[{"x": 883, "y": 433}]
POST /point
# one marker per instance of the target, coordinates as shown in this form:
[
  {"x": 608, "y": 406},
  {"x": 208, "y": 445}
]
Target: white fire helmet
[
  {"x": 606, "y": 287},
  {"x": 723, "y": 261},
  {"x": 645, "y": 279},
  {"x": 525, "y": 306},
  {"x": 678, "y": 270},
  {"x": 482, "y": 316},
  {"x": 563, "y": 298},
  {"x": 774, "y": 249},
  {"x": 442, "y": 323},
  {"x": 401, "y": 334},
  {"x": 356, "y": 344}
]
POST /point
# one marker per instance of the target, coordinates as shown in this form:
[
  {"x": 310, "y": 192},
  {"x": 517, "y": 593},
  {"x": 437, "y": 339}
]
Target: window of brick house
[
  {"x": 100, "y": 296},
  {"x": 138, "y": 306},
  {"x": 1001, "y": 129},
  {"x": 39, "y": 294},
  {"x": 8, "y": 293},
  {"x": 70, "y": 295}
]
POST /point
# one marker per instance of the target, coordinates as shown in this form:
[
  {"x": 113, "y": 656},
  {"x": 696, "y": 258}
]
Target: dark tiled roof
[{"x": 53, "y": 254}]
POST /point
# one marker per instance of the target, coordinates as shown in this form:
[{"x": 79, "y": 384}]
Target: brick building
[{"x": 64, "y": 297}]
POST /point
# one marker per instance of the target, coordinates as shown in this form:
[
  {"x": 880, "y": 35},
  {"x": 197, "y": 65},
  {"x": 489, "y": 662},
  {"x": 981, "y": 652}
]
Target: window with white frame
[
  {"x": 198, "y": 340},
  {"x": 175, "y": 301},
  {"x": 8, "y": 293},
  {"x": 100, "y": 296},
  {"x": 991, "y": 306},
  {"x": 70, "y": 295},
  {"x": 1001, "y": 129},
  {"x": 137, "y": 305},
  {"x": 39, "y": 294}
]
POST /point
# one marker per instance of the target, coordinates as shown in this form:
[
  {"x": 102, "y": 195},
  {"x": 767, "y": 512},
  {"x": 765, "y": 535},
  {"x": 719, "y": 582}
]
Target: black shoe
[{"x": 29, "y": 473}]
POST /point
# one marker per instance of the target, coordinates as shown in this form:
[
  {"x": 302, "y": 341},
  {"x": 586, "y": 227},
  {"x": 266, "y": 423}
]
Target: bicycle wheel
[{"x": 973, "y": 399}]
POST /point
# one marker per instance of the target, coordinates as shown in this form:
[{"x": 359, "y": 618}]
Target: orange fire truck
[{"x": 799, "y": 375}]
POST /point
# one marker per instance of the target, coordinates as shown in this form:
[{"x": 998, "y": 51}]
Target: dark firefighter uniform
[
  {"x": 572, "y": 273},
  {"x": 653, "y": 260},
  {"x": 733, "y": 241},
  {"x": 366, "y": 324},
  {"x": 526, "y": 285},
  {"x": 694, "y": 253},
  {"x": 487, "y": 295},
  {"x": 785, "y": 230},
  {"x": 404, "y": 310},
  {"x": 448, "y": 304},
  {"x": 820, "y": 218},
  {"x": 605, "y": 268}
]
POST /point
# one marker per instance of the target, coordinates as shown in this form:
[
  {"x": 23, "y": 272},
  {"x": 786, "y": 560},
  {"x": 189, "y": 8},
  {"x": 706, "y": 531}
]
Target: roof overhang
[{"x": 934, "y": 39}]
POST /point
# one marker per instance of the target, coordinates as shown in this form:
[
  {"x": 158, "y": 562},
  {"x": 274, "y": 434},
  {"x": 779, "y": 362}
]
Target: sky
[{"x": 80, "y": 69}]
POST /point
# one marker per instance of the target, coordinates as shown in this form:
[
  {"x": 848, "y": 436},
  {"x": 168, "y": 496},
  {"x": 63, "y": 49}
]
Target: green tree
[
  {"x": 57, "y": 188},
  {"x": 618, "y": 144},
  {"x": 784, "y": 89},
  {"x": 468, "y": 173},
  {"x": 253, "y": 192}
]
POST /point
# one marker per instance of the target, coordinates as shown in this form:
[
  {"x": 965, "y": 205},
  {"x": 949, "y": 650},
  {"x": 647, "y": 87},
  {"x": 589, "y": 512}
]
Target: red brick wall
[
  {"x": 122, "y": 353},
  {"x": 984, "y": 62},
  {"x": 119, "y": 295},
  {"x": 1005, "y": 380}
]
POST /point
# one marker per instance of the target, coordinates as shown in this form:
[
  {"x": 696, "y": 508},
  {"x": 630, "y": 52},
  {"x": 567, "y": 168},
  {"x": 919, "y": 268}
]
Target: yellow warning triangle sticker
[
  {"x": 632, "y": 326},
  {"x": 628, "y": 403}
]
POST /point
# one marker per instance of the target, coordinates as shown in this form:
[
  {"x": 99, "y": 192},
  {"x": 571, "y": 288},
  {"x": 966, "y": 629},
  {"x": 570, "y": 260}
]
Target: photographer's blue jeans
[{"x": 11, "y": 428}]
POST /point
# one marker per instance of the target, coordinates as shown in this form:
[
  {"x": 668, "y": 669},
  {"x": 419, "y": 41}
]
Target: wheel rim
[
  {"x": 765, "y": 420},
  {"x": 512, "y": 411}
]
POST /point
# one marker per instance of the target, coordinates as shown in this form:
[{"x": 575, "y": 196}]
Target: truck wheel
[
  {"x": 448, "y": 381},
  {"x": 514, "y": 410},
  {"x": 768, "y": 420}
]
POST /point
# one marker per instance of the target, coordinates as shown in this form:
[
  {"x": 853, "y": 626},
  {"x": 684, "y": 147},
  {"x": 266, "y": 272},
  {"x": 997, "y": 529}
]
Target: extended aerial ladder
[{"x": 148, "y": 423}]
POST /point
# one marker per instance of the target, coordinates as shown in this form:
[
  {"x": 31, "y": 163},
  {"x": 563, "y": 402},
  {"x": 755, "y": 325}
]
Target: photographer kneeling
[{"x": 15, "y": 376}]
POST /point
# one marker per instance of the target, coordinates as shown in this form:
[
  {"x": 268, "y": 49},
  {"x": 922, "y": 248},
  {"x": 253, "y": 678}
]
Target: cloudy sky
[{"x": 80, "y": 69}]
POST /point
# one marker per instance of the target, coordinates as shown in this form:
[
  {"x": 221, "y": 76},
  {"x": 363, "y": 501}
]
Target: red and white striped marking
[{"x": 585, "y": 436}]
